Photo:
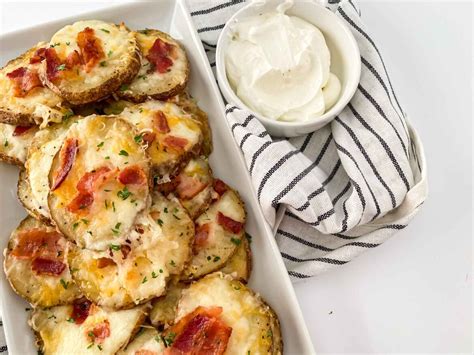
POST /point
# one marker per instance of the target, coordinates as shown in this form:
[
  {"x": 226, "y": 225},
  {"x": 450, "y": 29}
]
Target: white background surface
[{"x": 413, "y": 293}]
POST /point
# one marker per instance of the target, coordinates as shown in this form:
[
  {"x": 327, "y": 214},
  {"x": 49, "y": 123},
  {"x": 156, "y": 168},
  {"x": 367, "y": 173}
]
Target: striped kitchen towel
[{"x": 345, "y": 188}]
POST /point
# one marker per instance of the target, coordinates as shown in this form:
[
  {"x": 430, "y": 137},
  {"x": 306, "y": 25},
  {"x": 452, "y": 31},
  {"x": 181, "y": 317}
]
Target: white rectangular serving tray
[{"x": 269, "y": 276}]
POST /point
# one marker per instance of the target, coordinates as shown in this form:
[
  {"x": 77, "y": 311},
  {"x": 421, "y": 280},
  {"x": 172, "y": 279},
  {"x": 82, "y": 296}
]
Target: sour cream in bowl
[{"x": 294, "y": 65}]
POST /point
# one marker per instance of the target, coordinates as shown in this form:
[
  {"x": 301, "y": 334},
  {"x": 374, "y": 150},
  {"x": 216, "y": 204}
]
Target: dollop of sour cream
[{"x": 279, "y": 66}]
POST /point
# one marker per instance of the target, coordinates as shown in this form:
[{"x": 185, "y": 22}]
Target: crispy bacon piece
[
  {"x": 34, "y": 242},
  {"x": 86, "y": 187},
  {"x": 74, "y": 58},
  {"x": 200, "y": 332},
  {"x": 229, "y": 224},
  {"x": 38, "y": 56},
  {"x": 100, "y": 332},
  {"x": 201, "y": 236},
  {"x": 80, "y": 310},
  {"x": 159, "y": 56},
  {"x": 125, "y": 249},
  {"x": 160, "y": 123},
  {"x": 189, "y": 187},
  {"x": 176, "y": 143},
  {"x": 24, "y": 80},
  {"x": 20, "y": 130},
  {"x": 90, "y": 47},
  {"x": 168, "y": 187},
  {"x": 53, "y": 65},
  {"x": 132, "y": 175},
  {"x": 67, "y": 156},
  {"x": 220, "y": 186},
  {"x": 104, "y": 262},
  {"x": 47, "y": 266}
]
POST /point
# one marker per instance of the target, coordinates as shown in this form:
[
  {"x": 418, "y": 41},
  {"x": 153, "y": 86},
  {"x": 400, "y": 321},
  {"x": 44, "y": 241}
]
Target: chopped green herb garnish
[
  {"x": 138, "y": 138},
  {"x": 144, "y": 280},
  {"x": 106, "y": 203},
  {"x": 6, "y": 143},
  {"x": 52, "y": 317},
  {"x": 55, "y": 45},
  {"x": 107, "y": 157},
  {"x": 68, "y": 43},
  {"x": 75, "y": 225},
  {"x": 141, "y": 77},
  {"x": 124, "y": 87},
  {"x": 99, "y": 347},
  {"x": 269, "y": 333},
  {"x": 109, "y": 54},
  {"x": 65, "y": 284},
  {"x": 100, "y": 145},
  {"x": 113, "y": 205},
  {"x": 124, "y": 194},
  {"x": 68, "y": 114},
  {"x": 154, "y": 275},
  {"x": 165, "y": 210},
  {"x": 116, "y": 230},
  {"x": 160, "y": 222},
  {"x": 103, "y": 63},
  {"x": 235, "y": 241},
  {"x": 175, "y": 216},
  {"x": 106, "y": 31},
  {"x": 114, "y": 247},
  {"x": 73, "y": 270},
  {"x": 71, "y": 320},
  {"x": 168, "y": 339},
  {"x": 208, "y": 258},
  {"x": 85, "y": 221},
  {"x": 90, "y": 345},
  {"x": 124, "y": 153},
  {"x": 161, "y": 271},
  {"x": 216, "y": 258},
  {"x": 249, "y": 237},
  {"x": 172, "y": 263},
  {"x": 61, "y": 67}
]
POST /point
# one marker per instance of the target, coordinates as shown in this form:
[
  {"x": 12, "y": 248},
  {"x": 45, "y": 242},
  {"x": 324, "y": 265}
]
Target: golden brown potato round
[
  {"x": 36, "y": 265},
  {"x": 239, "y": 265}
]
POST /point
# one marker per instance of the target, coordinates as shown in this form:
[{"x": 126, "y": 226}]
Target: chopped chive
[
  {"x": 106, "y": 31},
  {"x": 154, "y": 275},
  {"x": 100, "y": 145},
  {"x": 114, "y": 247},
  {"x": 61, "y": 67},
  {"x": 124, "y": 194},
  {"x": 6, "y": 143},
  {"x": 144, "y": 280},
  {"x": 124, "y": 153},
  {"x": 109, "y": 54},
  {"x": 75, "y": 225},
  {"x": 71, "y": 320},
  {"x": 160, "y": 222},
  {"x": 103, "y": 63},
  {"x": 124, "y": 87},
  {"x": 235, "y": 241}
]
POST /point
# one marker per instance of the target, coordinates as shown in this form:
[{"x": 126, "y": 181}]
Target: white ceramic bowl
[{"x": 345, "y": 61}]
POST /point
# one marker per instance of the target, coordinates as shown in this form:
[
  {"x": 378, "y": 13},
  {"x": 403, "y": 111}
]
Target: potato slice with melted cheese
[
  {"x": 89, "y": 60},
  {"x": 218, "y": 232},
  {"x": 171, "y": 135},
  {"x": 24, "y": 99},
  {"x": 84, "y": 328},
  {"x": 36, "y": 265},
  {"x": 255, "y": 327},
  {"x": 159, "y": 247},
  {"x": 164, "y": 68},
  {"x": 146, "y": 342},
  {"x": 99, "y": 182},
  {"x": 239, "y": 265}
]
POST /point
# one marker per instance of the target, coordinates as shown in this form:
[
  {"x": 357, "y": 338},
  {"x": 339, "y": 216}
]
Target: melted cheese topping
[
  {"x": 39, "y": 289},
  {"x": 153, "y": 83},
  {"x": 181, "y": 125},
  {"x": 159, "y": 248},
  {"x": 61, "y": 336},
  {"x": 15, "y": 146},
  {"x": 43, "y": 104},
  {"x": 118, "y": 45},
  {"x": 244, "y": 312},
  {"x": 103, "y": 142}
]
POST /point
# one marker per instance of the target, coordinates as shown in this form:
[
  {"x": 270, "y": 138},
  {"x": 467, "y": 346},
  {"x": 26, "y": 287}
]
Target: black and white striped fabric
[{"x": 348, "y": 187}]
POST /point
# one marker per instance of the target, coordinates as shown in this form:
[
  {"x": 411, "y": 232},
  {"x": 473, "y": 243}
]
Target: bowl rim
[{"x": 329, "y": 115}]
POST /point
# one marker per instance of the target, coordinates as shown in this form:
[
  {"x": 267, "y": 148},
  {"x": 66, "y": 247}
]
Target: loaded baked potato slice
[
  {"x": 171, "y": 136},
  {"x": 33, "y": 182},
  {"x": 158, "y": 247},
  {"x": 193, "y": 186},
  {"x": 220, "y": 315},
  {"x": 164, "y": 68},
  {"x": 84, "y": 328},
  {"x": 25, "y": 100},
  {"x": 36, "y": 264},
  {"x": 89, "y": 60},
  {"x": 99, "y": 182},
  {"x": 14, "y": 143},
  {"x": 219, "y": 230}
]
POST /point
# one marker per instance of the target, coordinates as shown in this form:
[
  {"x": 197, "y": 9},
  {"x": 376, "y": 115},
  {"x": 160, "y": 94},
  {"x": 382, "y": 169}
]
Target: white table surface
[{"x": 413, "y": 293}]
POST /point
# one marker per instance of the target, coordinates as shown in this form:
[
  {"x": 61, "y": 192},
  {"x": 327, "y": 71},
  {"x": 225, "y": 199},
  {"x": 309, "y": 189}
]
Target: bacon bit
[
  {"x": 125, "y": 249},
  {"x": 189, "y": 187},
  {"x": 47, "y": 266},
  {"x": 200, "y": 332},
  {"x": 20, "y": 130},
  {"x": 220, "y": 187},
  {"x": 200, "y": 237},
  {"x": 104, "y": 262},
  {"x": 67, "y": 156},
  {"x": 160, "y": 123},
  {"x": 38, "y": 56},
  {"x": 80, "y": 310},
  {"x": 176, "y": 143},
  {"x": 148, "y": 137},
  {"x": 52, "y": 64},
  {"x": 73, "y": 59},
  {"x": 168, "y": 187},
  {"x": 92, "y": 179},
  {"x": 229, "y": 224},
  {"x": 158, "y": 56},
  {"x": 80, "y": 202},
  {"x": 132, "y": 175},
  {"x": 34, "y": 242},
  {"x": 90, "y": 47},
  {"x": 100, "y": 332},
  {"x": 24, "y": 80},
  {"x": 139, "y": 229}
]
